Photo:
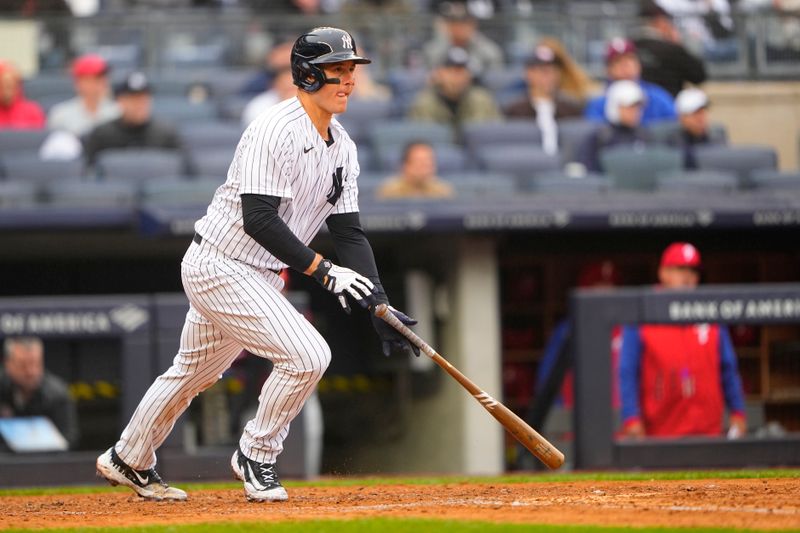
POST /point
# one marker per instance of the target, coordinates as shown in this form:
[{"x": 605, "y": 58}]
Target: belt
[{"x": 199, "y": 240}]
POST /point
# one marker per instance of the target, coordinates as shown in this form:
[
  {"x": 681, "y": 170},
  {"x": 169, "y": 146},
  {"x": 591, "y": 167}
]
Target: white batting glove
[{"x": 342, "y": 281}]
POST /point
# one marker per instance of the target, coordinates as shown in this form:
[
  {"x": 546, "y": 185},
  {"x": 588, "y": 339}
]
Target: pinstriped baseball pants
[{"x": 232, "y": 306}]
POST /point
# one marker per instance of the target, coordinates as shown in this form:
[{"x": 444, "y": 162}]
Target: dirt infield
[{"x": 741, "y": 503}]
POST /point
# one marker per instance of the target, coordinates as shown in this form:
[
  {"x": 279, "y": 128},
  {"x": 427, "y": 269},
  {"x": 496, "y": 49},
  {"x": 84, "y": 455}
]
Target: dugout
[
  {"x": 594, "y": 313},
  {"x": 108, "y": 349}
]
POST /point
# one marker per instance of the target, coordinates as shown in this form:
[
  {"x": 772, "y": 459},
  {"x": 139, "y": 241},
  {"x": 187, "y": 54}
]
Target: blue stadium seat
[
  {"x": 180, "y": 190},
  {"x": 139, "y": 164},
  {"x": 15, "y": 141},
  {"x": 17, "y": 193},
  {"x": 47, "y": 85},
  {"x": 482, "y": 184},
  {"x": 27, "y": 166},
  {"x": 449, "y": 158},
  {"x": 639, "y": 169},
  {"x": 774, "y": 180},
  {"x": 572, "y": 133},
  {"x": 177, "y": 110},
  {"x": 361, "y": 115},
  {"x": 405, "y": 84},
  {"x": 215, "y": 134},
  {"x": 554, "y": 183},
  {"x": 212, "y": 162},
  {"x": 698, "y": 181},
  {"x": 78, "y": 193},
  {"x": 513, "y": 132},
  {"x": 742, "y": 161},
  {"x": 524, "y": 162}
]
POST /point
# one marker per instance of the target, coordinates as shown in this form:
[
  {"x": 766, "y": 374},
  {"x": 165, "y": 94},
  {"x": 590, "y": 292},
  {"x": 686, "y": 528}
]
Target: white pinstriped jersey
[{"x": 282, "y": 154}]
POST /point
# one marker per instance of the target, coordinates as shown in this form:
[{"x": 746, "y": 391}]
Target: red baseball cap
[
  {"x": 89, "y": 65},
  {"x": 619, "y": 47},
  {"x": 681, "y": 254}
]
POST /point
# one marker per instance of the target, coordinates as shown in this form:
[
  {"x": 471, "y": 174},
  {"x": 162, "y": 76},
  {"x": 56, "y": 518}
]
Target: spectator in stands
[
  {"x": 544, "y": 101},
  {"x": 692, "y": 108},
  {"x": 709, "y": 24},
  {"x": 136, "y": 127},
  {"x": 417, "y": 177},
  {"x": 453, "y": 98},
  {"x": 92, "y": 105},
  {"x": 622, "y": 63},
  {"x": 665, "y": 61},
  {"x": 277, "y": 59},
  {"x": 27, "y": 389},
  {"x": 283, "y": 87},
  {"x": 367, "y": 89},
  {"x": 17, "y": 112},
  {"x": 676, "y": 379},
  {"x": 459, "y": 28},
  {"x": 623, "y": 111}
]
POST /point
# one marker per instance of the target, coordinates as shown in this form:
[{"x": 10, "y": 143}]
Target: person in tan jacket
[{"x": 417, "y": 177}]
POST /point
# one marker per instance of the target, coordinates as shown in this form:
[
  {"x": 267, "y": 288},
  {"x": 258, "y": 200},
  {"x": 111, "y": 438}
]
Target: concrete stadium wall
[{"x": 760, "y": 113}]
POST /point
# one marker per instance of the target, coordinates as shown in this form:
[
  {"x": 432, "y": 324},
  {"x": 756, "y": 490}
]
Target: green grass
[
  {"x": 438, "y": 480},
  {"x": 379, "y": 525}
]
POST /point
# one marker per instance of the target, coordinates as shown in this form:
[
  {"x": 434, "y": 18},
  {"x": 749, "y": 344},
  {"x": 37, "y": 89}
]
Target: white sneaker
[
  {"x": 261, "y": 482},
  {"x": 146, "y": 483}
]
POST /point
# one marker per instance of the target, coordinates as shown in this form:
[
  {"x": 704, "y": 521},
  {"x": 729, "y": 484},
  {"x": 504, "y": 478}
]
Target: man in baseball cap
[
  {"x": 677, "y": 379},
  {"x": 92, "y": 104},
  {"x": 135, "y": 127},
  {"x": 692, "y": 106},
  {"x": 622, "y": 63}
]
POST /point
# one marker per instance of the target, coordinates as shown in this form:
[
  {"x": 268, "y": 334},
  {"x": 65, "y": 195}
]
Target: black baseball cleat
[
  {"x": 261, "y": 482},
  {"x": 146, "y": 483}
]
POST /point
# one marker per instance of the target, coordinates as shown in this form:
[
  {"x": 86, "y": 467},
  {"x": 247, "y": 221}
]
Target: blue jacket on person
[{"x": 659, "y": 106}]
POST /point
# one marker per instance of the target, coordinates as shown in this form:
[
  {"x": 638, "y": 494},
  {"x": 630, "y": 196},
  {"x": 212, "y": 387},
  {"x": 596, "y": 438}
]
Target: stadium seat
[
  {"x": 572, "y": 133},
  {"x": 212, "y": 162},
  {"x": 17, "y": 193},
  {"x": 15, "y": 141},
  {"x": 739, "y": 160},
  {"x": 663, "y": 130},
  {"x": 698, "y": 181},
  {"x": 78, "y": 193},
  {"x": 177, "y": 110},
  {"x": 639, "y": 169},
  {"x": 393, "y": 133},
  {"x": 29, "y": 167},
  {"x": 405, "y": 84},
  {"x": 231, "y": 107},
  {"x": 552, "y": 183},
  {"x": 180, "y": 191},
  {"x": 513, "y": 132},
  {"x": 361, "y": 115},
  {"x": 525, "y": 162},
  {"x": 46, "y": 85},
  {"x": 214, "y": 134},
  {"x": 449, "y": 158},
  {"x": 482, "y": 184},
  {"x": 775, "y": 180},
  {"x": 139, "y": 164}
]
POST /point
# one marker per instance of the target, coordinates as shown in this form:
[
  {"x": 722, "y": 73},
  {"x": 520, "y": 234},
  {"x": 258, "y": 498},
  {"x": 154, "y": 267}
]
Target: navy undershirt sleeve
[
  {"x": 353, "y": 249},
  {"x": 262, "y": 223}
]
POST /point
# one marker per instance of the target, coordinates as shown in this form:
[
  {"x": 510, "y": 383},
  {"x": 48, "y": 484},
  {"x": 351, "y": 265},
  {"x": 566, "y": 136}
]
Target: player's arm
[
  {"x": 265, "y": 226},
  {"x": 630, "y": 357},
  {"x": 355, "y": 252},
  {"x": 731, "y": 383}
]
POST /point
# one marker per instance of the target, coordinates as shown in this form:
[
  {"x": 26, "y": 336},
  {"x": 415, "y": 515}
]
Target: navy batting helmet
[{"x": 317, "y": 47}]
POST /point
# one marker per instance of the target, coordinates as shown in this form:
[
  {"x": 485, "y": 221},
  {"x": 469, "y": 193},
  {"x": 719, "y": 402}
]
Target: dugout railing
[{"x": 594, "y": 312}]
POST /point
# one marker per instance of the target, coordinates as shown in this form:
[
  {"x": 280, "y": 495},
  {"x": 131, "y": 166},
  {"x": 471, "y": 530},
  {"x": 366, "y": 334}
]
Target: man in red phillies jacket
[
  {"x": 677, "y": 379},
  {"x": 15, "y": 110}
]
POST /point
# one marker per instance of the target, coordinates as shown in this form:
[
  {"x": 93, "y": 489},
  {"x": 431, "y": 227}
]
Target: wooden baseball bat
[{"x": 526, "y": 435}]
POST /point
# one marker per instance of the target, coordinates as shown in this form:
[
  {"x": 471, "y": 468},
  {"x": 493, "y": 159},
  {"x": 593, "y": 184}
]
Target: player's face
[
  {"x": 332, "y": 97},
  {"x": 678, "y": 277}
]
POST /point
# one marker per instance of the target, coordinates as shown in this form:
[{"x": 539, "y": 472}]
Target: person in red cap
[
  {"x": 622, "y": 63},
  {"x": 16, "y": 112},
  {"x": 677, "y": 379},
  {"x": 92, "y": 104}
]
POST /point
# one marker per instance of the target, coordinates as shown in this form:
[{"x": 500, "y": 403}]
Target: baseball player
[{"x": 294, "y": 169}]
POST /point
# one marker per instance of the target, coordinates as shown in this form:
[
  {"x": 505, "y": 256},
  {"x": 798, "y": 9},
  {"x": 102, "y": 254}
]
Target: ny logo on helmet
[{"x": 347, "y": 41}]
